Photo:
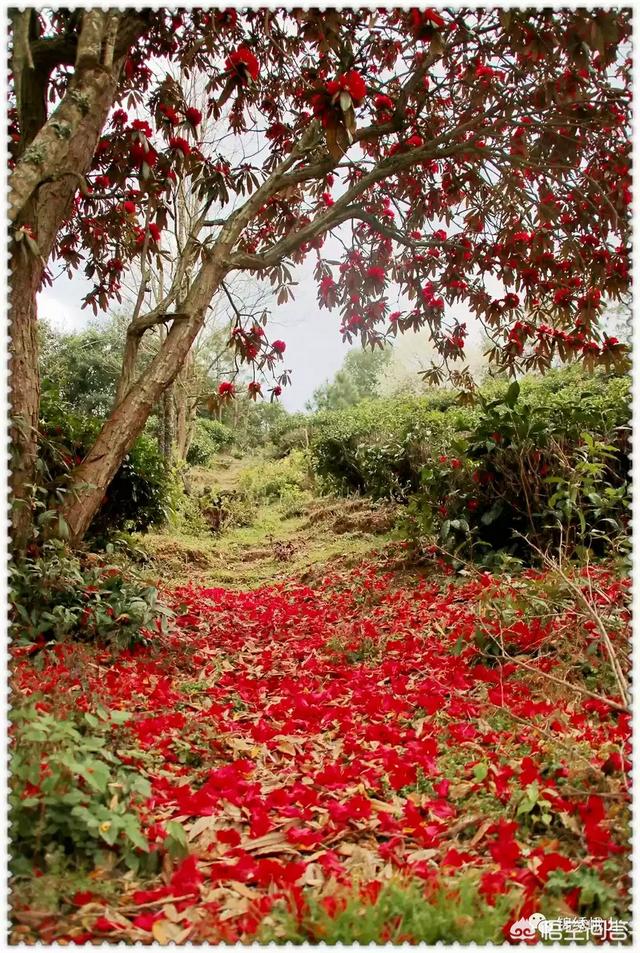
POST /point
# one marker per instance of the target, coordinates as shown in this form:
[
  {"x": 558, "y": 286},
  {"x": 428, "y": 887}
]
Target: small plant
[
  {"x": 71, "y": 796},
  {"x": 209, "y": 438},
  {"x": 54, "y": 597},
  {"x": 395, "y": 913}
]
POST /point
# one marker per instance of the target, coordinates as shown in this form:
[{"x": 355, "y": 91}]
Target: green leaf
[
  {"x": 512, "y": 395},
  {"x": 480, "y": 771}
]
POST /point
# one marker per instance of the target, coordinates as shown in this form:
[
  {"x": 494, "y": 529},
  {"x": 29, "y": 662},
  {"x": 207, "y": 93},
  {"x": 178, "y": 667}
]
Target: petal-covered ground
[{"x": 379, "y": 727}]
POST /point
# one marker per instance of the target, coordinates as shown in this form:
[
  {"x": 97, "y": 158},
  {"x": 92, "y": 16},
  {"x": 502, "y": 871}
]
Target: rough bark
[
  {"x": 25, "y": 391},
  {"x": 169, "y": 429},
  {"x": 41, "y": 198},
  {"x": 185, "y": 408}
]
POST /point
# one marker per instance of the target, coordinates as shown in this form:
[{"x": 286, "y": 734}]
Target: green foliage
[
  {"x": 356, "y": 380},
  {"x": 53, "y": 597},
  {"x": 399, "y": 913},
  {"x": 224, "y": 509},
  {"x": 84, "y": 366},
  {"x": 596, "y": 897},
  {"x": 70, "y": 794},
  {"x": 289, "y": 432},
  {"x": 137, "y": 495},
  {"x": 545, "y": 460},
  {"x": 209, "y": 438},
  {"x": 272, "y": 479}
]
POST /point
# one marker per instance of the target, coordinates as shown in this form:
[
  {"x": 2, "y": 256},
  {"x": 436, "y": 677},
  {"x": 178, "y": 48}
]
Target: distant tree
[
  {"x": 357, "y": 378},
  {"x": 83, "y": 366}
]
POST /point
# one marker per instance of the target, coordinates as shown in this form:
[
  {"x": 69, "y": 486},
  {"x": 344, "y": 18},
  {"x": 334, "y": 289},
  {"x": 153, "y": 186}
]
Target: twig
[{"x": 615, "y": 665}]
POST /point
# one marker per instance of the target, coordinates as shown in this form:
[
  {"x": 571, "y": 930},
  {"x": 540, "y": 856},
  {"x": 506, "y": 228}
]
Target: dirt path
[{"x": 327, "y": 532}]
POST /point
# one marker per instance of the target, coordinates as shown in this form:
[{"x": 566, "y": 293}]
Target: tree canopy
[{"x": 441, "y": 148}]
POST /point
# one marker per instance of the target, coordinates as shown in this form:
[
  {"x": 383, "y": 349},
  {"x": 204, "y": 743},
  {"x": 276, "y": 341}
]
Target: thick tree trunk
[
  {"x": 42, "y": 188},
  {"x": 24, "y": 392},
  {"x": 90, "y": 480}
]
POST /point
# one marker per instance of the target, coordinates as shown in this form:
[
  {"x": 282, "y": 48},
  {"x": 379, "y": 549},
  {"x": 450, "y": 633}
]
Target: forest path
[{"x": 277, "y": 543}]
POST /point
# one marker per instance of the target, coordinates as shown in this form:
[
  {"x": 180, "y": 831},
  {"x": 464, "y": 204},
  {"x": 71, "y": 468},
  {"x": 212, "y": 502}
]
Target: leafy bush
[
  {"x": 269, "y": 481},
  {"x": 54, "y": 597},
  {"x": 137, "y": 495},
  {"x": 290, "y": 432},
  {"x": 546, "y": 460},
  {"x": 221, "y": 509},
  {"x": 71, "y": 796},
  {"x": 209, "y": 438}
]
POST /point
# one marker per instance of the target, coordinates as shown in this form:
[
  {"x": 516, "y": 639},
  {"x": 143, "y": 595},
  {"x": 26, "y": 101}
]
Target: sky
[{"x": 315, "y": 349}]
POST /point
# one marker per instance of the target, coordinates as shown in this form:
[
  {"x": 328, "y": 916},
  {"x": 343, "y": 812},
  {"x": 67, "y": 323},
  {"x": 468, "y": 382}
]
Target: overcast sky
[{"x": 314, "y": 352}]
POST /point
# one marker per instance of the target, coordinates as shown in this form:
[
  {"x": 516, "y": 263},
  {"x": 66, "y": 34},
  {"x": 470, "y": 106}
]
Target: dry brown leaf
[
  {"x": 426, "y": 854},
  {"x": 482, "y": 830},
  {"x": 244, "y": 891},
  {"x": 208, "y": 823}
]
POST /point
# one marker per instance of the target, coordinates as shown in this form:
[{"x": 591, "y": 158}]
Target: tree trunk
[
  {"x": 41, "y": 198},
  {"x": 168, "y": 428},
  {"x": 24, "y": 392},
  {"x": 89, "y": 481},
  {"x": 185, "y": 408}
]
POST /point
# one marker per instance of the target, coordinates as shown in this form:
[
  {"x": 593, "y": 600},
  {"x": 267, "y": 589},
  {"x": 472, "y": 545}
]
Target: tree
[
  {"x": 357, "y": 379},
  {"x": 438, "y": 146},
  {"x": 83, "y": 366}
]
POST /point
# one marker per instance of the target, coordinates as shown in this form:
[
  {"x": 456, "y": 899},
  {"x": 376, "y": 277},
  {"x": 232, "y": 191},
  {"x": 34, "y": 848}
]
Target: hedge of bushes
[
  {"x": 209, "y": 438},
  {"x": 546, "y": 459}
]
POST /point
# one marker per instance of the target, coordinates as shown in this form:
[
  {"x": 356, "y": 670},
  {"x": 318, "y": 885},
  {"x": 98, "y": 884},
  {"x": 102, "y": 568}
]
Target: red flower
[
  {"x": 254, "y": 389},
  {"x": 186, "y": 877},
  {"x": 279, "y": 347},
  {"x": 424, "y": 23},
  {"x": 226, "y": 389},
  {"x": 180, "y": 144},
  {"x": 193, "y": 115},
  {"x": 277, "y": 390},
  {"x": 169, "y": 114},
  {"x": 243, "y": 64},
  {"x": 353, "y": 83},
  {"x": 383, "y": 102}
]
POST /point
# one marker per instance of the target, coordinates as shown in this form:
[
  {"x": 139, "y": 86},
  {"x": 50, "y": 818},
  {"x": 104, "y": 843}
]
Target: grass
[
  {"x": 276, "y": 546},
  {"x": 400, "y": 913}
]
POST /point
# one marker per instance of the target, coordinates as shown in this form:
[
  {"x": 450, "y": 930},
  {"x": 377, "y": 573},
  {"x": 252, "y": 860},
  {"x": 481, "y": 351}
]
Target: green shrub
[
  {"x": 268, "y": 481},
  {"x": 222, "y": 509},
  {"x": 293, "y": 501},
  {"x": 137, "y": 496},
  {"x": 552, "y": 466},
  {"x": 290, "y": 432},
  {"x": 209, "y": 438},
  {"x": 522, "y": 480},
  {"x": 53, "y": 597},
  {"x": 71, "y": 798}
]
